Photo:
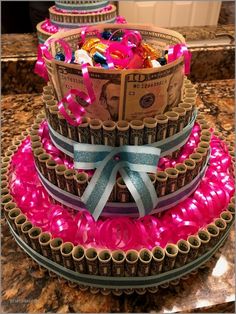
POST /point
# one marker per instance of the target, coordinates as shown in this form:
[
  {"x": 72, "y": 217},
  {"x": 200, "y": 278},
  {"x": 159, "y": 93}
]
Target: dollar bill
[{"x": 122, "y": 94}]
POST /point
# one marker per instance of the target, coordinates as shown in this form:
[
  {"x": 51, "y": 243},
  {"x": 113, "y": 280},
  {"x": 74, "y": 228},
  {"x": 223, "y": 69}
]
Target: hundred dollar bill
[
  {"x": 120, "y": 94},
  {"x": 149, "y": 92}
]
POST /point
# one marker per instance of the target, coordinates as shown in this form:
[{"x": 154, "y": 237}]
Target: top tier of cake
[{"x": 86, "y": 6}]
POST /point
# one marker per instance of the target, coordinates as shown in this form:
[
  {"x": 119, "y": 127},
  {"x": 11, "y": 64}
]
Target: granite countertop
[{"x": 26, "y": 287}]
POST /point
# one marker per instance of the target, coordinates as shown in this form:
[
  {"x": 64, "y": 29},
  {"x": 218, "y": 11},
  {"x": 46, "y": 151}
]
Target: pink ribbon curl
[{"x": 177, "y": 51}]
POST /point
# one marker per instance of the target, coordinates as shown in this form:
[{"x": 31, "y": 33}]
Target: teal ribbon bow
[{"x": 133, "y": 163}]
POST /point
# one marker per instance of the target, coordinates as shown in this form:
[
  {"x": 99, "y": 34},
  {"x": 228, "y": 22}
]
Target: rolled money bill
[
  {"x": 131, "y": 263},
  {"x": 122, "y": 192},
  {"x": 194, "y": 243},
  {"x": 51, "y": 171},
  {"x": 53, "y": 120},
  {"x": 62, "y": 125},
  {"x": 141, "y": 291},
  {"x": 34, "y": 138},
  {"x": 152, "y": 289},
  {"x": 118, "y": 263},
  {"x": 206, "y": 127},
  {"x": 48, "y": 102},
  {"x": 227, "y": 217},
  {"x": 122, "y": 133},
  {"x": 150, "y": 125},
  {"x": 6, "y": 199},
  {"x": 79, "y": 259},
  {"x": 182, "y": 169},
  {"x": 11, "y": 217},
  {"x": 162, "y": 122},
  {"x": 190, "y": 100},
  {"x": 72, "y": 131},
  {"x": 33, "y": 145},
  {"x": 183, "y": 250},
  {"x": 161, "y": 180},
  {"x": 204, "y": 145},
  {"x": 25, "y": 228},
  {"x": 48, "y": 90},
  {"x": 221, "y": 225},
  {"x": 55, "y": 246},
  {"x": 171, "y": 184},
  {"x": 44, "y": 241},
  {"x": 83, "y": 131},
  {"x": 8, "y": 206},
  {"x": 188, "y": 108},
  {"x": 231, "y": 208},
  {"x": 158, "y": 255},
  {"x": 92, "y": 261},
  {"x": 171, "y": 252},
  {"x": 136, "y": 132},
  {"x": 61, "y": 181},
  {"x": 37, "y": 152},
  {"x": 4, "y": 192},
  {"x": 181, "y": 120},
  {"x": 43, "y": 158},
  {"x": 190, "y": 164},
  {"x": 204, "y": 237},
  {"x": 34, "y": 234},
  {"x": 66, "y": 252},
  {"x": 144, "y": 264},
  {"x": 70, "y": 184},
  {"x": 172, "y": 123},
  {"x": 19, "y": 222},
  {"x": 109, "y": 133},
  {"x": 214, "y": 234},
  {"x": 81, "y": 181},
  {"x": 198, "y": 161},
  {"x": 104, "y": 263},
  {"x": 96, "y": 131},
  {"x": 202, "y": 152}
]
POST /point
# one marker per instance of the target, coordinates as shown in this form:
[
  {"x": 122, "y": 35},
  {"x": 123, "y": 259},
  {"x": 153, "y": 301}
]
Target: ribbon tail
[{"x": 142, "y": 190}]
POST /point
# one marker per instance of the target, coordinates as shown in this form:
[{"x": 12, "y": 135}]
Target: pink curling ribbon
[
  {"x": 47, "y": 26},
  {"x": 106, "y": 9},
  {"x": 206, "y": 203},
  {"x": 71, "y": 102},
  {"x": 40, "y": 66},
  {"x": 120, "y": 20},
  {"x": 178, "y": 50}
]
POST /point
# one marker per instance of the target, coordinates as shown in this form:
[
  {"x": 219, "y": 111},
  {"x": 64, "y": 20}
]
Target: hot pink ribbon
[{"x": 177, "y": 51}]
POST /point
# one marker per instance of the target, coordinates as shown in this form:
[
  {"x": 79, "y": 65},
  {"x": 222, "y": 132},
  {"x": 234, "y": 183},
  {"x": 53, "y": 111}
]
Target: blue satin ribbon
[{"x": 132, "y": 162}]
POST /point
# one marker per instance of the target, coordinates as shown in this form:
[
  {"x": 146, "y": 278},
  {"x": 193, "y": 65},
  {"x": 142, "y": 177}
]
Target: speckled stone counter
[
  {"x": 19, "y": 53},
  {"x": 28, "y": 288}
]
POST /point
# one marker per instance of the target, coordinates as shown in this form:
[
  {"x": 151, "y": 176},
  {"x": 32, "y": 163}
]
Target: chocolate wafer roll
[
  {"x": 182, "y": 169},
  {"x": 51, "y": 171},
  {"x": 123, "y": 129},
  {"x": 43, "y": 158},
  {"x": 172, "y": 122},
  {"x": 92, "y": 261},
  {"x": 183, "y": 250},
  {"x": 45, "y": 239},
  {"x": 162, "y": 122},
  {"x": 62, "y": 125},
  {"x": 118, "y": 263},
  {"x": 198, "y": 161},
  {"x": 150, "y": 125},
  {"x": 161, "y": 180},
  {"x": 181, "y": 120},
  {"x": 34, "y": 234},
  {"x": 190, "y": 164},
  {"x": 131, "y": 263},
  {"x": 194, "y": 243},
  {"x": 66, "y": 252},
  {"x": 19, "y": 222},
  {"x": 25, "y": 228},
  {"x": 136, "y": 132},
  {"x": 79, "y": 259},
  {"x": 122, "y": 192},
  {"x": 158, "y": 255},
  {"x": 171, "y": 184},
  {"x": 171, "y": 252},
  {"x": 96, "y": 131},
  {"x": 70, "y": 184},
  {"x": 83, "y": 131},
  {"x": 204, "y": 237},
  {"x": 109, "y": 133},
  {"x": 104, "y": 263},
  {"x": 221, "y": 225},
  {"x": 144, "y": 264},
  {"x": 214, "y": 234},
  {"x": 81, "y": 182},
  {"x": 54, "y": 121},
  {"x": 188, "y": 108},
  {"x": 55, "y": 246},
  {"x": 61, "y": 181},
  {"x": 11, "y": 217},
  {"x": 37, "y": 152}
]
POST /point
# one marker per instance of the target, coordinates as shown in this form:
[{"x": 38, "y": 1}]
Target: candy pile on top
[{"x": 118, "y": 50}]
